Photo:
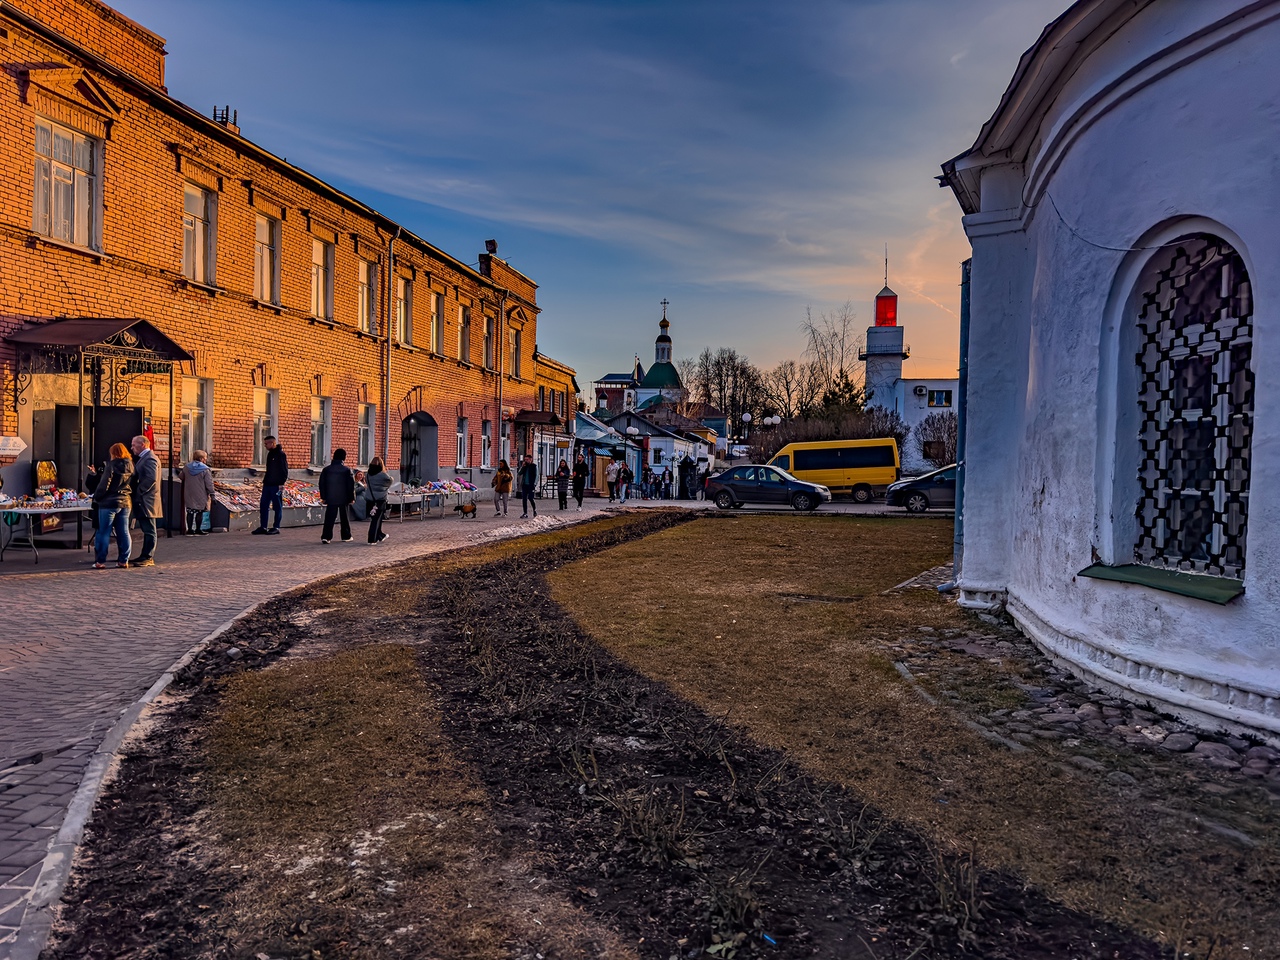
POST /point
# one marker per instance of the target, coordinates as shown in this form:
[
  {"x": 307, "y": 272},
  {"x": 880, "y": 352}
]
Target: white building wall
[{"x": 1188, "y": 142}]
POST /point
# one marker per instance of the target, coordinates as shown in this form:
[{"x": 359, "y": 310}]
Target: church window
[{"x": 1195, "y": 408}]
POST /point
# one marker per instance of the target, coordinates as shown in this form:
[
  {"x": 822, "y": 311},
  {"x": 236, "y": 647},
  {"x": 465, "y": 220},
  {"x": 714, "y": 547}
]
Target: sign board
[
  {"x": 159, "y": 399},
  {"x": 162, "y": 443},
  {"x": 12, "y": 446}
]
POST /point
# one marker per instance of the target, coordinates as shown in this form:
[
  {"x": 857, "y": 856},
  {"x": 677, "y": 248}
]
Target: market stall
[{"x": 20, "y": 518}]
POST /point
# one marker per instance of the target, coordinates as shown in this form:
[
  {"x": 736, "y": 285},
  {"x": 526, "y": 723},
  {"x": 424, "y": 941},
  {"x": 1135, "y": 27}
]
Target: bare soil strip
[{"x": 436, "y": 761}]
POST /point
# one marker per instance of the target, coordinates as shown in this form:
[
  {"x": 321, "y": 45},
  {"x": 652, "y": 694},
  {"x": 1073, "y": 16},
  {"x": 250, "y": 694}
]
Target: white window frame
[
  {"x": 404, "y": 310},
  {"x": 322, "y": 279},
  {"x": 464, "y": 333},
  {"x": 67, "y": 201},
  {"x": 197, "y": 416},
  {"x": 486, "y": 444},
  {"x": 490, "y": 327},
  {"x": 940, "y": 399},
  {"x": 366, "y": 419},
  {"x": 266, "y": 407},
  {"x": 266, "y": 259},
  {"x": 321, "y": 430},
  {"x": 462, "y": 443},
  {"x": 367, "y": 296},
  {"x": 437, "y": 323},
  {"x": 199, "y": 234},
  {"x": 517, "y": 337},
  {"x": 506, "y": 442}
]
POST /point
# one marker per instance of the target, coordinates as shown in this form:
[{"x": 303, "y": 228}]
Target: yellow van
[{"x": 861, "y": 469}]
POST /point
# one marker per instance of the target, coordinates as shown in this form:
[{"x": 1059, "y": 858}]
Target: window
[
  {"x": 486, "y": 443},
  {"x": 514, "y": 367},
  {"x": 489, "y": 323},
  {"x": 542, "y": 397},
  {"x": 65, "y": 201},
  {"x": 939, "y": 398},
  {"x": 404, "y": 310},
  {"x": 1192, "y": 345},
  {"x": 197, "y": 398},
  {"x": 366, "y": 414},
  {"x": 437, "y": 324},
  {"x": 845, "y": 458},
  {"x": 264, "y": 422},
  {"x": 321, "y": 428},
  {"x": 464, "y": 334},
  {"x": 321, "y": 279},
  {"x": 506, "y": 443},
  {"x": 198, "y": 237},
  {"x": 266, "y": 260},
  {"x": 462, "y": 441},
  {"x": 367, "y": 298}
]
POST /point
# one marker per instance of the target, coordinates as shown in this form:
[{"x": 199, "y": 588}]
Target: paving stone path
[
  {"x": 1079, "y": 715},
  {"x": 79, "y": 647}
]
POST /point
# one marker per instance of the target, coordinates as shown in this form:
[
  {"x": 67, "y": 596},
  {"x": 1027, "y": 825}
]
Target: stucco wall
[{"x": 1124, "y": 163}]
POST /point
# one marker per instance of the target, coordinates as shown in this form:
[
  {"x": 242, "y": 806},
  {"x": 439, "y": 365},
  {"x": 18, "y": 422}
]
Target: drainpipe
[
  {"x": 386, "y": 367},
  {"x": 957, "y": 549},
  {"x": 499, "y": 351}
]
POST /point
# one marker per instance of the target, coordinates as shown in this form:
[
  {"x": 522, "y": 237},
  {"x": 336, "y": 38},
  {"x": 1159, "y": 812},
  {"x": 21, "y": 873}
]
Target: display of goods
[
  {"x": 237, "y": 497},
  {"x": 300, "y": 493}
]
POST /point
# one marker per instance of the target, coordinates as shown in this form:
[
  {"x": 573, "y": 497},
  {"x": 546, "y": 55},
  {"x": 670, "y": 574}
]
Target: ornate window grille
[{"x": 1195, "y": 404}]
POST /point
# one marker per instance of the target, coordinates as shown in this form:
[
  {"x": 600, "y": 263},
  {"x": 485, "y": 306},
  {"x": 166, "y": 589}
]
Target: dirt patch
[{"x": 580, "y": 808}]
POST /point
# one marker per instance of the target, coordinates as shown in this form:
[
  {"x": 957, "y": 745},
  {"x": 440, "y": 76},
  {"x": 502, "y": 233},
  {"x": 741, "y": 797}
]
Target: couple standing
[
  {"x": 502, "y": 481},
  {"x": 338, "y": 488},
  {"x": 128, "y": 486}
]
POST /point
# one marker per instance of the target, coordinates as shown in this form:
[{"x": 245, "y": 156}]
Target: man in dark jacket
[
  {"x": 273, "y": 481},
  {"x": 528, "y": 486},
  {"x": 146, "y": 498},
  {"x": 338, "y": 491}
]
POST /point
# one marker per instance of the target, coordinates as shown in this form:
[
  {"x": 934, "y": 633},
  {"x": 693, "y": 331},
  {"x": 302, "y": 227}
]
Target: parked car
[
  {"x": 757, "y": 483},
  {"x": 937, "y": 489}
]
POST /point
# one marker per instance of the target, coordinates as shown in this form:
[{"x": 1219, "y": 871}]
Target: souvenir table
[{"x": 20, "y": 512}]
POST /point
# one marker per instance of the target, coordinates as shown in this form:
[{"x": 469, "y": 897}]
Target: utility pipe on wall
[{"x": 386, "y": 367}]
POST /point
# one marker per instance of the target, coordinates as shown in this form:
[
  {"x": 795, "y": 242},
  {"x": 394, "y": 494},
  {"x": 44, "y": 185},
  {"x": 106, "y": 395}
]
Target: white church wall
[{"x": 1121, "y": 157}]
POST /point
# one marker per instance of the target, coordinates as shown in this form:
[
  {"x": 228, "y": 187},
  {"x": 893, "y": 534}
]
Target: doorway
[{"x": 419, "y": 448}]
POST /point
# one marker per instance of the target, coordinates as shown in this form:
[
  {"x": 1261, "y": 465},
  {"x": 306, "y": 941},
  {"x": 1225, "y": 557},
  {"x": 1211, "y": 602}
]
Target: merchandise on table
[{"x": 243, "y": 496}]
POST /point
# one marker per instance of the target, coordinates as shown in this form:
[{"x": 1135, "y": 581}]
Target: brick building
[{"x": 172, "y": 243}]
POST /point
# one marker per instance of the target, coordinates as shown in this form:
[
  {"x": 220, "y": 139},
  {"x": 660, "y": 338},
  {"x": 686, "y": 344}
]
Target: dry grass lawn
[{"x": 779, "y": 622}]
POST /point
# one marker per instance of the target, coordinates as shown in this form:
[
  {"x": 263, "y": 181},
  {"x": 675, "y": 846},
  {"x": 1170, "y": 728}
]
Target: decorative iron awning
[
  {"x": 543, "y": 417},
  {"x": 110, "y": 351}
]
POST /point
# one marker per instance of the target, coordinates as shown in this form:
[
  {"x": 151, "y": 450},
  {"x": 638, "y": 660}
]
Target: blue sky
[{"x": 745, "y": 160}]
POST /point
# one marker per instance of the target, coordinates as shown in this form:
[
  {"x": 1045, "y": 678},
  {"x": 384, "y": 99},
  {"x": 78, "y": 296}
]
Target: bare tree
[
  {"x": 832, "y": 345},
  {"x": 936, "y": 436},
  {"x": 782, "y": 388}
]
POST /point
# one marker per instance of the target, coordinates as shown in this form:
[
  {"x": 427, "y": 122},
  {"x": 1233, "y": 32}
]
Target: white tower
[{"x": 884, "y": 352}]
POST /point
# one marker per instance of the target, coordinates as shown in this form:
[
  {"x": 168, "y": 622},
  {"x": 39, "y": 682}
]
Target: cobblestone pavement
[{"x": 79, "y": 646}]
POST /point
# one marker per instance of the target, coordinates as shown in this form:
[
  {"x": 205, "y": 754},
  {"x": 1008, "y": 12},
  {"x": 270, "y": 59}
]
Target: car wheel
[
  {"x": 916, "y": 503},
  {"x": 862, "y": 494},
  {"x": 804, "y": 501},
  {"x": 724, "y": 500}
]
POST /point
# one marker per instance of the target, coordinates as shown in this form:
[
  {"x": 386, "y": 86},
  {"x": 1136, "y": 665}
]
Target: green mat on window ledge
[{"x": 1219, "y": 590}]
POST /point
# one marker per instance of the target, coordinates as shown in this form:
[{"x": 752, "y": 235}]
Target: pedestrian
[
  {"x": 580, "y": 473},
  {"x": 338, "y": 491},
  {"x": 146, "y": 498},
  {"x": 666, "y": 484},
  {"x": 501, "y": 484},
  {"x": 197, "y": 492},
  {"x": 625, "y": 476},
  {"x": 112, "y": 498},
  {"x": 273, "y": 480},
  {"x": 563, "y": 476},
  {"x": 611, "y": 477},
  {"x": 376, "y": 485},
  {"x": 528, "y": 486}
]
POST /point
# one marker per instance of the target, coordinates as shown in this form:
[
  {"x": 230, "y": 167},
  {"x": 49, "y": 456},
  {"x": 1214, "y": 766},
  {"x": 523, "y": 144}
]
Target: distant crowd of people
[{"x": 127, "y": 488}]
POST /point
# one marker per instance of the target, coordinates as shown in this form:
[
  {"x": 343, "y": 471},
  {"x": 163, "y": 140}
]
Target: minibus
[{"x": 861, "y": 469}]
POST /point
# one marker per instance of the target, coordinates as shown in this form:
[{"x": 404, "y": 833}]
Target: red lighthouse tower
[{"x": 886, "y": 308}]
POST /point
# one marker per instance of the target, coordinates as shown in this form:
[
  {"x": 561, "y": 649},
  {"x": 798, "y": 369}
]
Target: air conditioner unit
[{"x": 921, "y": 390}]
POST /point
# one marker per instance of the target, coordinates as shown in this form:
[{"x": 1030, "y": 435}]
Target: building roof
[
  {"x": 1041, "y": 74},
  {"x": 662, "y": 376}
]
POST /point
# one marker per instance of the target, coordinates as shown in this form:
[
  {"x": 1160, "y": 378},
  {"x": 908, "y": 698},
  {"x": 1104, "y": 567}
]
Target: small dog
[{"x": 466, "y": 509}]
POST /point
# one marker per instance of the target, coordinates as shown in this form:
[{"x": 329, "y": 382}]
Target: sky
[{"x": 746, "y": 160}]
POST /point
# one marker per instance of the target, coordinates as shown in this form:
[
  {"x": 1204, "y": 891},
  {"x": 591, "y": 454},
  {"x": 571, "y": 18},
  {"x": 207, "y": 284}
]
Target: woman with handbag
[
  {"x": 113, "y": 499},
  {"x": 501, "y": 484},
  {"x": 376, "y": 485}
]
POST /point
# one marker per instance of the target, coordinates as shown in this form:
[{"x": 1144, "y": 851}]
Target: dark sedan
[
  {"x": 937, "y": 489},
  {"x": 755, "y": 483}
]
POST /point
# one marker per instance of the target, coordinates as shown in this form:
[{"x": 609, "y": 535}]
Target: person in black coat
[
  {"x": 338, "y": 491},
  {"x": 528, "y": 486},
  {"x": 273, "y": 480},
  {"x": 580, "y": 474},
  {"x": 112, "y": 496},
  {"x": 147, "y": 509}
]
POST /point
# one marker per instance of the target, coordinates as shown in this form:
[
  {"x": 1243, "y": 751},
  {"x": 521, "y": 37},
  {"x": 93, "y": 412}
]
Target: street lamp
[{"x": 746, "y": 426}]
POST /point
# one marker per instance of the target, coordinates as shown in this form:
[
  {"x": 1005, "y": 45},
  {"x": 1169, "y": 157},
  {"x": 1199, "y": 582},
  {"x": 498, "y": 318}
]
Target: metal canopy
[
  {"x": 545, "y": 417},
  {"x": 127, "y": 334}
]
